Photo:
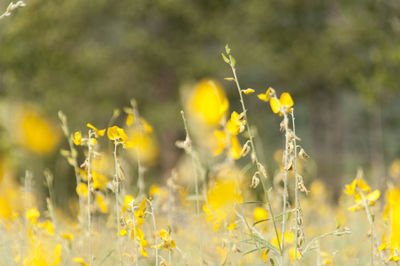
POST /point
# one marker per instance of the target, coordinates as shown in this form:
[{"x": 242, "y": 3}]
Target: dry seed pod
[
  {"x": 262, "y": 169},
  {"x": 303, "y": 154},
  {"x": 255, "y": 181},
  {"x": 289, "y": 166},
  {"x": 282, "y": 125},
  {"x": 245, "y": 150},
  {"x": 253, "y": 157}
]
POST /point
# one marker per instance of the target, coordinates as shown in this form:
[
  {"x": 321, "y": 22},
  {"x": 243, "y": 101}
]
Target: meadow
[
  {"x": 210, "y": 211},
  {"x": 92, "y": 193}
]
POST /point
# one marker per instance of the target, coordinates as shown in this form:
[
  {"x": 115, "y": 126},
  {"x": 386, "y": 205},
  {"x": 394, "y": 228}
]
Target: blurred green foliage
[{"x": 339, "y": 59}]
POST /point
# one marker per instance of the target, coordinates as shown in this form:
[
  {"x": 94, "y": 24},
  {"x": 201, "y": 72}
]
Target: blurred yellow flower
[
  {"x": 101, "y": 202},
  {"x": 80, "y": 260},
  {"x": 77, "y": 138},
  {"x": 32, "y": 215},
  {"x": 99, "y": 132},
  {"x": 144, "y": 146},
  {"x": 222, "y": 198},
  {"x": 35, "y": 132},
  {"x": 208, "y": 102},
  {"x": 82, "y": 190},
  {"x": 260, "y": 214}
]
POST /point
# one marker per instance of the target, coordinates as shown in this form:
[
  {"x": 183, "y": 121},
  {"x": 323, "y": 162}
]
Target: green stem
[
  {"x": 116, "y": 188},
  {"x": 89, "y": 168},
  {"x": 256, "y": 160}
]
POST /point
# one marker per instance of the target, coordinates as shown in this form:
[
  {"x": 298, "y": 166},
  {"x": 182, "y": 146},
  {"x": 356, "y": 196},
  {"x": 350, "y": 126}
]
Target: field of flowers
[{"x": 219, "y": 206}]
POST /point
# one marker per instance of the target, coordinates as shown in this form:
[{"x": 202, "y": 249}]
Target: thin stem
[
  {"x": 134, "y": 235},
  {"x": 197, "y": 168},
  {"x": 285, "y": 182},
  {"x": 116, "y": 190},
  {"x": 315, "y": 239},
  {"x": 73, "y": 154},
  {"x": 154, "y": 230},
  {"x": 372, "y": 227},
  {"x": 89, "y": 180},
  {"x": 296, "y": 189},
  {"x": 190, "y": 151},
  {"x": 256, "y": 160}
]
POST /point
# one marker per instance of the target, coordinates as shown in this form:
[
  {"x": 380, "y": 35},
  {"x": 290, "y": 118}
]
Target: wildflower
[
  {"x": 222, "y": 198},
  {"x": 236, "y": 124},
  {"x": 248, "y": 91},
  {"x": 219, "y": 142},
  {"x": 32, "y": 215},
  {"x": 101, "y": 203},
  {"x": 260, "y": 214},
  {"x": 128, "y": 202},
  {"x": 82, "y": 190},
  {"x": 116, "y": 133},
  {"x": 67, "y": 236},
  {"x": 129, "y": 119},
  {"x": 355, "y": 189},
  {"x": 236, "y": 150},
  {"x": 392, "y": 210},
  {"x": 36, "y": 133},
  {"x": 98, "y": 132},
  {"x": 81, "y": 261},
  {"x": 288, "y": 238},
  {"x": 48, "y": 226},
  {"x": 284, "y": 103},
  {"x": 77, "y": 138},
  {"x": 266, "y": 96},
  {"x": 144, "y": 145},
  {"x": 208, "y": 102}
]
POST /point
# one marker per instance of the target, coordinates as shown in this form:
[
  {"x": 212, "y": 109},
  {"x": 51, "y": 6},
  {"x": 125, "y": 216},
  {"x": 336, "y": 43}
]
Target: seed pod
[
  {"x": 263, "y": 171},
  {"x": 245, "y": 150},
  {"x": 303, "y": 154},
  {"x": 255, "y": 181}
]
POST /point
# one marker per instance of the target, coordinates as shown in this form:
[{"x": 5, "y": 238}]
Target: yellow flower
[
  {"x": 48, "y": 226},
  {"x": 284, "y": 103},
  {"x": 236, "y": 124},
  {"x": 82, "y": 190},
  {"x": 80, "y": 260},
  {"x": 260, "y": 214},
  {"x": 219, "y": 142},
  {"x": 77, "y": 138},
  {"x": 116, "y": 133},
  {"x": 146, "y": 126},
  {"x": 393, "y": 209},
  {"x": 265, "y": 96},
  {"x": 208, "y": 102},
  {"x": 99, "y": 133},
  {"x": 67, "y": 236},
  {"x": 130, "y": 119},
  {"x": 99, "y": 181},
  {"x": 32, "y": 215},
  {"x": 36, "y": 133},
  {"x": 248, "y": 91},
  {"x": 236, "y": 149},
  {"x": 144, "y": 146},
  {"x": 222, "y": 198},
  {"x": 350, "y": 189},
  {"x": 164, "y": 234},
  {"x": 101, "y": 203},
  {"x": 128, "y": 202}
]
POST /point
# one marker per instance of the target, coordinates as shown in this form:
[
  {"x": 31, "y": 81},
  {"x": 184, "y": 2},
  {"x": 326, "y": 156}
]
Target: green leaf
[
  {"x": 225, "y": 58},
  {"x": 227, "y": 49},
  {"x": 233, "y": 61}
]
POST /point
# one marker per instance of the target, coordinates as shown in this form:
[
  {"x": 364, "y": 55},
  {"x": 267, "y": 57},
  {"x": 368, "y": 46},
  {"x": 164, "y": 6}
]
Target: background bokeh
[{"x": 340, "y": 60}]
